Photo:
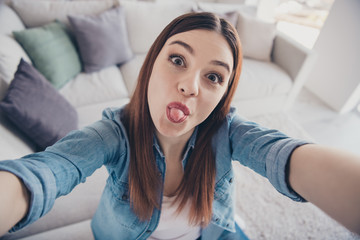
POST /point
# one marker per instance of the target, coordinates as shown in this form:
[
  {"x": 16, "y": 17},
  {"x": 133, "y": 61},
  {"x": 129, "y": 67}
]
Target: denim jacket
[{"x": 56, "y": 171}]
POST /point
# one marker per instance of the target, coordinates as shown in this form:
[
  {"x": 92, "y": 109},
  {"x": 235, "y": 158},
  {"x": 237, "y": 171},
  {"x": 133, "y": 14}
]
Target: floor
[{"x": 325, "y": 125}]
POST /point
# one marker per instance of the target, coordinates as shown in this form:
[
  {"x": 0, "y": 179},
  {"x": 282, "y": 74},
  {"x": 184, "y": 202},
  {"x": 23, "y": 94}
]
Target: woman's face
[{"x": 189, "y": 78}]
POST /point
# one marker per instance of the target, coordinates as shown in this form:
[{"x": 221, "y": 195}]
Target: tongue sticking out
[{"x": 176, "y": 114}]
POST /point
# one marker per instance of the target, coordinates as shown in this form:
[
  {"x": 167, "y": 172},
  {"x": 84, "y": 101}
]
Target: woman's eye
[
  {"x": 214, "y": 78},
  {"x": 177, "y": 60}
]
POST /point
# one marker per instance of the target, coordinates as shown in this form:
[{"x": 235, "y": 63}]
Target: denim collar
[{"x": 190, "y": 145}]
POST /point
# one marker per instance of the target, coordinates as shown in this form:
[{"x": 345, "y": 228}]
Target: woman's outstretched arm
[
  {"x": 330, "y": 179},
  {"x": 14, "y": 201}
]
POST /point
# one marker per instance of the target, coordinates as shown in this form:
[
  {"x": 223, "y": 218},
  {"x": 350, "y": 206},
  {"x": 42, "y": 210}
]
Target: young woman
[{"x": 169, "y": 151}]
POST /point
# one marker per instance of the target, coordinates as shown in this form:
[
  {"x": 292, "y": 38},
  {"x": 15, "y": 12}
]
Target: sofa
[{"x": 274, "y": 70}]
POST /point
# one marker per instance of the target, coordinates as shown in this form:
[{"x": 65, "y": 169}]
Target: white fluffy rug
[{"x": 268, "y": 214}]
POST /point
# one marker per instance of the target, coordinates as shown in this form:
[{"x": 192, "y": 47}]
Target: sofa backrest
[
  {"x": 38, "y": 13},
  {"x": 12, "y": 20},
  {"x": 145, "y": 20}
]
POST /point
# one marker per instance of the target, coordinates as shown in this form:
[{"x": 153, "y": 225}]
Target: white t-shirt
[{"x": 173, "y": 225}]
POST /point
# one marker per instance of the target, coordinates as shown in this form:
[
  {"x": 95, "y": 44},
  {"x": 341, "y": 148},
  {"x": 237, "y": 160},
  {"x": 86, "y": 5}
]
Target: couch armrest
[{"x": 295, "y": 59}]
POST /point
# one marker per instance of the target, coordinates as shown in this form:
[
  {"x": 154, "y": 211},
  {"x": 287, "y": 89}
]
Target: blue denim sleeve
[
  {"x": 266, "y": 151},
  {"x": 57, "y": 170}
]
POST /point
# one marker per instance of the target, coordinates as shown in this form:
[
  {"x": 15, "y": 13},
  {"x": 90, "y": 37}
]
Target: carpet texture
[{"x": 268, "y": 214}]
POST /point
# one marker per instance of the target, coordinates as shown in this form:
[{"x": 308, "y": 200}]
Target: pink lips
[{"x": 177, "y": 112}]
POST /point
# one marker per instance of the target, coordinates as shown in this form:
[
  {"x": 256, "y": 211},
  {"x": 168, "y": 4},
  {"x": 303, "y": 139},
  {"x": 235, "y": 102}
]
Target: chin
[
  {"x": 170, "y": 132},
  {"x": 173, "y": 130}
]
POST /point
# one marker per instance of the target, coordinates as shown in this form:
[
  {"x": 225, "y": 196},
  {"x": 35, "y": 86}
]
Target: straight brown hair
[{"x": 198, "y": 183}]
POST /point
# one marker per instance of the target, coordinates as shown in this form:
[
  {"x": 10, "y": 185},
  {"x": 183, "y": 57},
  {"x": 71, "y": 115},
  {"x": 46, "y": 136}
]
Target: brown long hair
[{"x": 198, "y": 183}]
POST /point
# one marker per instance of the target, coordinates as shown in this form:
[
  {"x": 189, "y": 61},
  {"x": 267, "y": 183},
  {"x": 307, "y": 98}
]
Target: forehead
[{"x": 205, "y": 43}]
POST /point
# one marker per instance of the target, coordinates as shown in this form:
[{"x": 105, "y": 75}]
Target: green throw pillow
[{"x": 52, "y": 52}]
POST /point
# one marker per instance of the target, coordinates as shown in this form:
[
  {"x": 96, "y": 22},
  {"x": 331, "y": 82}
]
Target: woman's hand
[
  {"x": 330, "y": 179},
  {"x": 14, "y": 201}
]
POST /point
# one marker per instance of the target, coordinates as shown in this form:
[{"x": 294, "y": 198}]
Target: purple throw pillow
[
  {"x": 102, "y": 39},
  {"x": 37, "y": 108}
]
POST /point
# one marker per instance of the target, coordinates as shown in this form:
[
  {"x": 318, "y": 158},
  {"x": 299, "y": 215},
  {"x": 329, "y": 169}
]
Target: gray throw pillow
[
  {"x": 36, "y": 107},
  {"x": 102, "y": 39}
]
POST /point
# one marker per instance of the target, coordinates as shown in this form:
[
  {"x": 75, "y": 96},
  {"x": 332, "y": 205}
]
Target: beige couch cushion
[
  {"x": 10, "y": 54},
  {"x": 79, "y": 231},
  {"x": 97, "y": 87},
  {"x": 130, "y": 71},
  {"x": 270, "y": 81},
  {"x": 92, "y": 113},
  {"x": 79, "y": 205}
]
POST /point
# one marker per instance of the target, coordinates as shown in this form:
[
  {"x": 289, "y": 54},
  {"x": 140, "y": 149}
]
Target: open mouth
[{"x": 177, "y": 112}]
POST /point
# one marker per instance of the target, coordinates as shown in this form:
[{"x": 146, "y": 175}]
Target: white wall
[{"x": 335, "y": 78}]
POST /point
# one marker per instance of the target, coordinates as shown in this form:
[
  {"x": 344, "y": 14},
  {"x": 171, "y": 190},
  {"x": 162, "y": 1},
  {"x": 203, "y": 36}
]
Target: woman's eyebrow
[
  {"x": 185, "y": 45},
  {"x": 220, "y": 63}
]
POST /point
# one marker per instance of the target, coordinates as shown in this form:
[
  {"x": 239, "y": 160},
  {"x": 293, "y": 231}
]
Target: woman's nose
[{"x": 189, "y": 86}]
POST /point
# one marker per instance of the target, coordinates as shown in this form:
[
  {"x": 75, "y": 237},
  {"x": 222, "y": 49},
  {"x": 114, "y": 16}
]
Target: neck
[{"x": 173, "y": 147}]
